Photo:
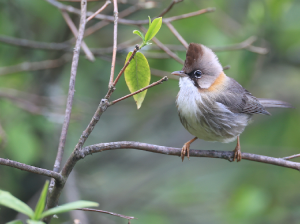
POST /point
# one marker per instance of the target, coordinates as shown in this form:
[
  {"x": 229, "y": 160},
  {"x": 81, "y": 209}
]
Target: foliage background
[{"x": 152, "y": 187}]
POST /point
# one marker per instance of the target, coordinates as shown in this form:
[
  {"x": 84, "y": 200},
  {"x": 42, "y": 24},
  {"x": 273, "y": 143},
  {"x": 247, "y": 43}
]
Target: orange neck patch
[{"x": 218, "y": 82}]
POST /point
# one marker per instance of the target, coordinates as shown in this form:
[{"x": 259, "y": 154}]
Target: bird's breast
[{"x": 205, "y": 118}]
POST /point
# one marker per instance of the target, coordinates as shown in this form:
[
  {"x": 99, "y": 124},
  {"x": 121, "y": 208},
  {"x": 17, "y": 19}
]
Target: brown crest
[{"x": 193, "y": 53}]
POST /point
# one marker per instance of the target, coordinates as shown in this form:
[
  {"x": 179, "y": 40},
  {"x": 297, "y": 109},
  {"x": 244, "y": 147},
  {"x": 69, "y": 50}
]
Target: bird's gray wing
[{"x": 239, "y": 100}]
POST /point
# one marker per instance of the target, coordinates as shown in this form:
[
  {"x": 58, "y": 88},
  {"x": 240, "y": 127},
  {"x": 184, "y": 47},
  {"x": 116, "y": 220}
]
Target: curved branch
[
  {"x": 71, "y": 9},
  {"x": 228, "y": 155},
  {"x": 32, "y": 169}
]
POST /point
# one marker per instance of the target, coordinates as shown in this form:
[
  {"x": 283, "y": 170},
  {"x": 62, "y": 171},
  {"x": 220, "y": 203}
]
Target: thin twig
[
  {"x": 71, "y": 9},
  {"x": 169, "y": 7},
  {"x": 74, "y": 30},
  {"x": 34, "y": 66},
  {"x": 141, "y": 90},
  {"x": 33, "y": 44},
  {"x": 291, "y": 157},
  {"x": 177, "y": 35},
  {"x": 113, "y": 62},
  {"x": 227, "y": 155},
  {"x": 92, "y": 29},
  {"x": 161, "y": 73},
  {"x": 106, "y": 212},
  {"x": 187, "y": 15},
  {"x": 126, "y": 64},
  {"x": 164, "y": 48},
  {"x": 31, "y": 169},
  {"x": 99, "y": 10},
  {"x": 226, "y": 67}
]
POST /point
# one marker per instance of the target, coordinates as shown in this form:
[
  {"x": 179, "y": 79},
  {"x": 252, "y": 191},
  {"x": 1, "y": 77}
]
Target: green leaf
[
  {"x": 68, "y": 207},
  {"x": 8, "y": 200},
  {"x": 137, "y": 76},
  {"x": 140, "y": 34},
  {"x": 153, "y": 29},
  {"x": 41, "y": 203},
  {"x": 15, "y": 222},
  {"x": 149, "y": 21},
  {"x": 29, "y": 221}
]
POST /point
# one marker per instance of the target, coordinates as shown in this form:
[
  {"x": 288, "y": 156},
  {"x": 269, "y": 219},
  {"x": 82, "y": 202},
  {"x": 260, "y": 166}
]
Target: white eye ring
[{"x": 198, "y": 74}]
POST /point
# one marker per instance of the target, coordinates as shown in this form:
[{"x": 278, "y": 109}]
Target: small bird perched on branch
[{"x": 211, "y": 105}]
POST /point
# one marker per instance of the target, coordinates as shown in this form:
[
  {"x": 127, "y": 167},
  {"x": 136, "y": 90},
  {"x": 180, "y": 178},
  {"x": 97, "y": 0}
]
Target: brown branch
[
  {"x": 227, "y": 155},
  {"x": 291, "y": 157},
  {"x": 177, "y": 35},
  {"x": 126, "y": 64},
  {"x": 106, "y": 212},
  {"x": 31, "y": 169},
  {"x": 169, "y": 7},
  {"x": 161, "y": 73},
  {"x": 74, "y": 30},
  {"x": 113, "y": 61},
  {"x": 226, "y": 67},
  {"x": 71, "y": 9},
  {"x": 33, "y": 44},
  {"x": 246, "y": 44},
  {"x": 164, "y": 48},
  {"x": 54, "y": 195},
  {"x": 99, "y": 10},
  {"x": 191, "y": 14},
  {"x": 34, "y": 66},
  {"x": 71, "y": 92},
  {"x": 141, "y": 90},
  {"x": 92, "y": 29}
]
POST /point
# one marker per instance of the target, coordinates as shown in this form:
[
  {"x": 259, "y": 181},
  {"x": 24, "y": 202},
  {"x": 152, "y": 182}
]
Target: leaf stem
[{"x": 141, "y": 90}]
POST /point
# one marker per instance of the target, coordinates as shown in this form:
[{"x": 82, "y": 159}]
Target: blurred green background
[{"x": 152, "y": 187}]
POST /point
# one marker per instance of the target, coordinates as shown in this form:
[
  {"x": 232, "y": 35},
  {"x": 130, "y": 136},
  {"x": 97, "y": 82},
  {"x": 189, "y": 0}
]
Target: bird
[{"x": 213, "y": 106}]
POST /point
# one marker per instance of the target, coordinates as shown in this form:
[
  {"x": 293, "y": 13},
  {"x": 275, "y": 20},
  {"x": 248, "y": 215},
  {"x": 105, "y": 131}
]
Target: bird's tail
[{"x": 274, "y": 103}]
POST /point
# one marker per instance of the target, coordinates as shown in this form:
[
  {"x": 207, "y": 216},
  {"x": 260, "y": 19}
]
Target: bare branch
[
  {"x": 226, "y": 67},
  {"x": 71, "y": 92},
  {"x": 99, "y": 10},
  {"x": 74, "y": 30},
  {"x": 34, "y": 44},
  {"x": 246, "y": 44},
  {"x": 163, "y": 47},
  {"x": 191, "y": 14},
  {"x": 227, "y": 155},
  {"x": 113, "y": 62},
  {"x": 92, "y": 29},
  {"x": 106, "y": 212},
  {"x": 161, "y": 73},
  {"x": 291, "y": 157},
  {"x": 71, "y": 9},
  {"x": 34, "y": 66},
  {"x": 31, "y": 169},
  {"x": 54, "y": 195},
  {"x": 141, "y": 90},
  {"x": 169, "y": 7},
  {"x": 177, "y": 35}
]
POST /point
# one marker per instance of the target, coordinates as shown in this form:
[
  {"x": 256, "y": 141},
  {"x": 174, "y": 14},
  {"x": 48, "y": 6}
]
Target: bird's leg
[
  {"x": 237, "y": 151},
  {"x": 186, "y": 148}
]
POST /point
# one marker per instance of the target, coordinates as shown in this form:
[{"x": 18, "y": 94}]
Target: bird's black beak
[{"x": 179, "y": 73}]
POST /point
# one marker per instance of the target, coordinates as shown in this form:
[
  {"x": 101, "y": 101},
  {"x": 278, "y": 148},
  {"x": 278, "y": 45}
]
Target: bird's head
[{"x": 201, "y": 66}]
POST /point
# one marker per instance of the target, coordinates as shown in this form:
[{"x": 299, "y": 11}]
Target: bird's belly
[{"x": 212, "y": 123}]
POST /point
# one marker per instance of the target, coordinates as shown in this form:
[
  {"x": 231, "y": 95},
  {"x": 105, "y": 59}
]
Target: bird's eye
[{"x": 197, "y": 73}]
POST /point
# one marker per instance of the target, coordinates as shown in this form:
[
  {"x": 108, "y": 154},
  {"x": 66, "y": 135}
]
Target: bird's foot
[
  {"x": 237, "y": 151},
  {"x": 185, "y": 149}
]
